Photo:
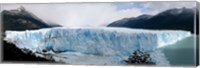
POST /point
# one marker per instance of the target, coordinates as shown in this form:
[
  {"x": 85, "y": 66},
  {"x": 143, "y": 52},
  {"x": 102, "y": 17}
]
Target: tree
[{"x": 140, "y": 57}]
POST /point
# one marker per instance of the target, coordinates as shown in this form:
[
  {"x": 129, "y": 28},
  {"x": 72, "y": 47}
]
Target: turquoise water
[{"x": 181, "y": 53}]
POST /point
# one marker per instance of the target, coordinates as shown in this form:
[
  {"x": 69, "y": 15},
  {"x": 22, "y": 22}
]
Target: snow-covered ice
[{"x": 95, "y": 45}]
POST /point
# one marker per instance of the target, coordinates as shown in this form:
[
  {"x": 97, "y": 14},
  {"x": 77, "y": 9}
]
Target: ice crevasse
[{"x": 94, "y": 45}]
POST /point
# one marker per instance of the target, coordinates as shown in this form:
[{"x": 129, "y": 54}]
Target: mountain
[
  {"x": 172, "y": 19},
  {"x": 20, "y": 20},
  {"x": 128, "y": 21}
]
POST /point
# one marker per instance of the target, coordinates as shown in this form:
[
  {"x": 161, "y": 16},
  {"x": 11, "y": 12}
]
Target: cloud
[
  {"x": 82, "y": 14},
  {"x": 93, "y": 14},
  {"x": 161, "y": 6}
]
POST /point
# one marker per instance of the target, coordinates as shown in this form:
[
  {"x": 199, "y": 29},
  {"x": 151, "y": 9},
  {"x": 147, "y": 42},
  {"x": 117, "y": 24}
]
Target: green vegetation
[{"x": 139, "y": 57}]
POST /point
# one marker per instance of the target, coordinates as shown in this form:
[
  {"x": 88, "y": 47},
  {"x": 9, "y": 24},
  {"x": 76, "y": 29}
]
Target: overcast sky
[{"x": 95, "y": 14}]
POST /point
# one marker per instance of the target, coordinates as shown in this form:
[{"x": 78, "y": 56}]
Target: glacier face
[{"x": 87, "y": 45}]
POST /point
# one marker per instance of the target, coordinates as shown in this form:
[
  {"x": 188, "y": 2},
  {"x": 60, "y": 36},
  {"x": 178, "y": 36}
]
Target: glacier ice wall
[{"x": 108, "y": 45}]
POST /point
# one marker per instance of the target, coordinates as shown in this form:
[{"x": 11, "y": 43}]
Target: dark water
[{"x": 182, "y": 53}]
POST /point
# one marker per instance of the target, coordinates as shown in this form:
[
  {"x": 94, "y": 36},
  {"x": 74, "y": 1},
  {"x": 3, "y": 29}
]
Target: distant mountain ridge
[
  {"x": 172, "y": 19},
  {"x": 21, "y": 19}
]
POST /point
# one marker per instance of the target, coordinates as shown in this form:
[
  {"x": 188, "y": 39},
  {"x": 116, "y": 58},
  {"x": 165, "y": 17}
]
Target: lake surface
[{"x": 182, "y": 53}]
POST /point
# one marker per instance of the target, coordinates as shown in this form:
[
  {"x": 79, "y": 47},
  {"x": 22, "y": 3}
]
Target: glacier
[{"x": 94, "y": 45}]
